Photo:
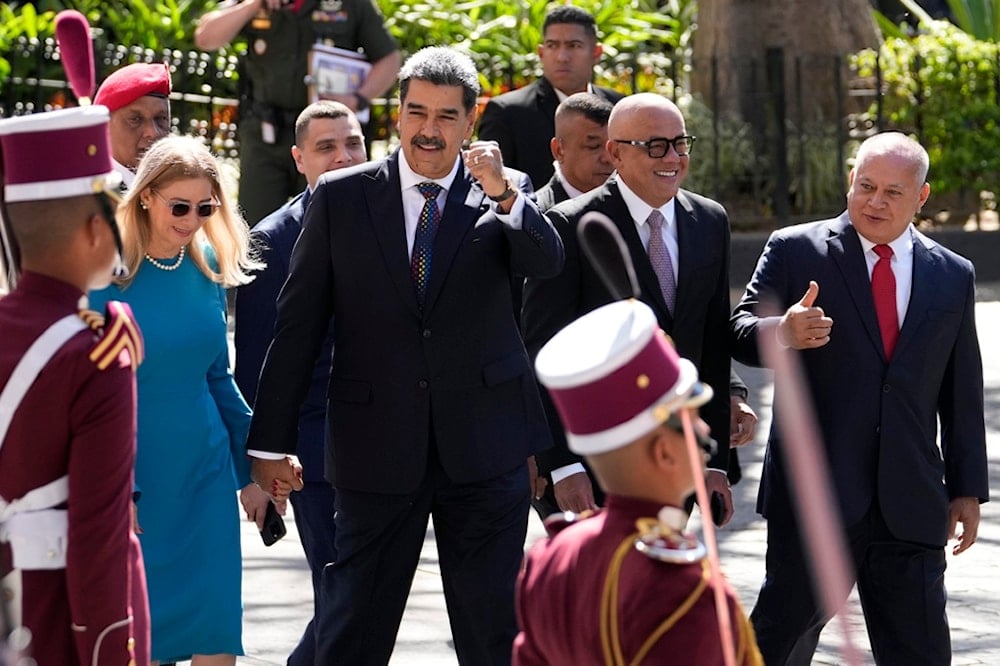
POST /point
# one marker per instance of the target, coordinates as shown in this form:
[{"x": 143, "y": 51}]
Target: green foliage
[
  {"x": 943, "y": 86},
  {"x": 153, "y": 24},
  {"x": 978, "y": 18},
  {"x": 502, "y": 36}
]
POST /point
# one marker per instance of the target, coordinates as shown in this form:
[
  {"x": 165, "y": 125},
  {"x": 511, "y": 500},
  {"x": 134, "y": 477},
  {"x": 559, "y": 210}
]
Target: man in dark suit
[
  {"x": 327, "y": 137},
  {"x": 581, "y": 161},
  {"x": 522, "y": 121},
  {"x": 433, "y": 409},
  {"x": 694, "y": 233},
  {"x": 887, "y": 335}
]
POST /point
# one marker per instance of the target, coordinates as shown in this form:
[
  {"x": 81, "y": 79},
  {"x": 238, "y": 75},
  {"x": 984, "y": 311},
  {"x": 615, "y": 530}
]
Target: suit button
[
  {"x": 427, "y": 333},
  {"x": 423, "y": 383},
  {"x": 886, "y": 388}
]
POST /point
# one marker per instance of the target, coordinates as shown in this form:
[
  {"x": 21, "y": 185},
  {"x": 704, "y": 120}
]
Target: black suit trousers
[
  {"x": 900, "y": 584},
  {"x": 480, "y": 530}
]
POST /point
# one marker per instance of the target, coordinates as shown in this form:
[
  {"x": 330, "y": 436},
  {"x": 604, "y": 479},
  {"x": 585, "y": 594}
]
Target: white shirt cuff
[
  {"x": 561, "y": 473},
  {"x": 515, "y": 218},
  {"x": 266, "y": 455}
]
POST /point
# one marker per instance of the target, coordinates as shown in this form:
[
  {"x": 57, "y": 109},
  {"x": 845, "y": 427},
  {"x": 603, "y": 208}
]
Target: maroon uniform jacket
[
  {"x": 560, "y": 590},
  {"x": 76, "y": 420}
]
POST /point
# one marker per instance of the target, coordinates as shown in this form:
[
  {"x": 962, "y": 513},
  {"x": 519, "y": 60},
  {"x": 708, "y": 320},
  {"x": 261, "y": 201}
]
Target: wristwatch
[
  {"x": 507, "y": 193},
  {"x": 361, "y": 102}
]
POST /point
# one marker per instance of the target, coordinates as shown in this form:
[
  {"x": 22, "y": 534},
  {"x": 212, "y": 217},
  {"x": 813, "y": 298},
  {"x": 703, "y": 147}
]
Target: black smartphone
[
  {"x": 718, "y": 508},
  {"x": 274, "y": 525}
]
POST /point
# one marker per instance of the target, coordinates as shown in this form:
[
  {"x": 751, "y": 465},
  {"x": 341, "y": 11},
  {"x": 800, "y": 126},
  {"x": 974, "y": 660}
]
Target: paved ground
[{"x": 277, "y": 592}]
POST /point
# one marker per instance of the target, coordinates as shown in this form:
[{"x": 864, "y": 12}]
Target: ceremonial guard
[
  {"x": 626, "y": 584},
  {"x": 67, "y": 400}
]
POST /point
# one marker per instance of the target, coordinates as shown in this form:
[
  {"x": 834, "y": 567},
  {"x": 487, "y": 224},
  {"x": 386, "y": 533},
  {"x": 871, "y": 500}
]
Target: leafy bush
[
  {"x": 943, "y": 86},
  {"x": 502, "y": 36}
]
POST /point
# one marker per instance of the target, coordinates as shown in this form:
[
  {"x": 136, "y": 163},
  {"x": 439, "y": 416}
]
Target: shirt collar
[
  {"x": 640, "y": 210},
  {"x": 409, "y": 178},
  {"x": 570, "y": 190},
  {"x": 902, "y": 247},
  {"x": 561, "y": 96}
]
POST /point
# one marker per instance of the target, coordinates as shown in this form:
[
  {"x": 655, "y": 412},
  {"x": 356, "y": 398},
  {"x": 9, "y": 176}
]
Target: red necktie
[{"x": 884, "y": 293}]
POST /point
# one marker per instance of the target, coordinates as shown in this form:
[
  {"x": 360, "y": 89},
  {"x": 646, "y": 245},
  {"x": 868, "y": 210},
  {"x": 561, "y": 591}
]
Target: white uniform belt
[{"x": 37, "y": 533}]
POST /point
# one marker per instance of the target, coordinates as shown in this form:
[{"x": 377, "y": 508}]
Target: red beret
[{"x": 131, "y": 82}]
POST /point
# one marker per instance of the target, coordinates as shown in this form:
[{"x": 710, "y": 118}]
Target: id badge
[{"x": 267, "y": 133}]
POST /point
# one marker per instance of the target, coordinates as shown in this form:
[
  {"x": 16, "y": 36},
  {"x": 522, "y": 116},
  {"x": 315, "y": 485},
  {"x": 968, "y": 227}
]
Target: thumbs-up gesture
[{"x": 804, "y": 325}]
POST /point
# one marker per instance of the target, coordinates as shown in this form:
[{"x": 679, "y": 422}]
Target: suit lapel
[
  {"x": 462, "y": 209},
  {"x": 547, "y": 100},
  {"x": 689, "y": 246},
  {"x": 385, "y": 204},
  {"x": 845, "y": 249},
  {"x": 617, "y": 210},
  {"x": 921, "y": 289}
]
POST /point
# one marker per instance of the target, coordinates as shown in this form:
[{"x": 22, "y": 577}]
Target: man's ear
[
  {"x": 555, "y": 145},
  {"x": 94, "y": 229},
  {"x": 662, "y": 449},
  {"x": 297, "y": 157}
]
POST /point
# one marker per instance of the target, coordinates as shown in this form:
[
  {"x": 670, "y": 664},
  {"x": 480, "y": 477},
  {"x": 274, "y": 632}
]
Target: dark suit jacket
[
  {"x": 455, "y": 377},
  {"x": 879, "y": 419},
  {"x": 552, "y": 193},
  {"x": 256, "y": 312},
  {"x": 523, "y": 122},
  {"x": 699, "y": 325}
]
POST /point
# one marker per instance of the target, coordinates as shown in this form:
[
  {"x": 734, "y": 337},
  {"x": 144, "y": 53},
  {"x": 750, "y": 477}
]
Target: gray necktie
[{"x": 659, "y": 257}]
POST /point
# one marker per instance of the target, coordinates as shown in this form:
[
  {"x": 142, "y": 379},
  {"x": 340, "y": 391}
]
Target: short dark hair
[
  {"x": 441, "y": 66},
  {"x": 591, "y": 106},
  {"x": 325, "y": 108},
  {"x": 564, "y": 14}
]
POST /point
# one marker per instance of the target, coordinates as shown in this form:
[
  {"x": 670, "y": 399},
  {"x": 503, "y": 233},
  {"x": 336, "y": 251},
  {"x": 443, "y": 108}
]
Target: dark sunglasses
[
  {"x": 182, "y": 208},
  {"x": 705, "y": 443},
  {"x": 657, "y": 148}
]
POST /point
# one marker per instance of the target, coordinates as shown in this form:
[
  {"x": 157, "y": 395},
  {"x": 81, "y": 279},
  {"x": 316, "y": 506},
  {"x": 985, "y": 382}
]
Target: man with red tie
[{"x": 886, "y": 335}]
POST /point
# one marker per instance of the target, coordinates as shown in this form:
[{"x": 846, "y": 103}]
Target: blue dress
[{"x": 191, "y": 460}]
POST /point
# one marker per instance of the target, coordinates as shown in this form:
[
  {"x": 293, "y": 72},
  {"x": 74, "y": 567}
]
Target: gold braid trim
[
  {"x": 610, "y": 638},
  {"x": 120, "y": 332}
]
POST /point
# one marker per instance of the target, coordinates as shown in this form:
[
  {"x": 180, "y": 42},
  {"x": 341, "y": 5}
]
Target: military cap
[
  {"x": 131, "y": 82},
  {"x": 57, "y": 154},
  {"x": 614, "y": 376}
]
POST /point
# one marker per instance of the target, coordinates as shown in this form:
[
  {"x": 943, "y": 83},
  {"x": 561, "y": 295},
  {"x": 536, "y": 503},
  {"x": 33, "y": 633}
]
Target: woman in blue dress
[{"x": 184, "y": 243}]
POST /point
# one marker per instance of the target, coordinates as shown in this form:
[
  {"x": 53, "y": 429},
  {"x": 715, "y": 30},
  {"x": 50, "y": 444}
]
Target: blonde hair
[{"x": 176, "y": 158}]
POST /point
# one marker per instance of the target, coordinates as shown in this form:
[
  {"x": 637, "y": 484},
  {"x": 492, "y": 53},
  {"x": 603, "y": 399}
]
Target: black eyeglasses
[
  {"x": 705, "y": 443},
  {"x": 658, "y": 147},
  {"x": 182, "y": 208}
]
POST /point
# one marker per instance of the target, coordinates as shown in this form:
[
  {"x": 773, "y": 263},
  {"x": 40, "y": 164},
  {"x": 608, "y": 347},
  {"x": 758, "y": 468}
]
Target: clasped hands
[{"x": 278, "y": 478}]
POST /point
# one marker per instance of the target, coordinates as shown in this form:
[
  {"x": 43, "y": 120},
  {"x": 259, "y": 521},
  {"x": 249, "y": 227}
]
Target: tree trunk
[{"x": 736, "y": 35}]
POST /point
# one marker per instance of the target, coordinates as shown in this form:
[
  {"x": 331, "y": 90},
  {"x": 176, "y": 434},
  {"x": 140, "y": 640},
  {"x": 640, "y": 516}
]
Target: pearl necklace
[{"x": 164, "y": 267}]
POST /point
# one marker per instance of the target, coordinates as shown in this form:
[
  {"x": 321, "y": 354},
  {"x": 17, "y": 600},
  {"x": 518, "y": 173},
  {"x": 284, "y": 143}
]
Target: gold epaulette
[
  {"x": 557, "y": 522},
  {"x": 119, "y": 331}
]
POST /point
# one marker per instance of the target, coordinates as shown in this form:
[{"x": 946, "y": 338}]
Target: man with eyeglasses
[{"x": 679, "y": 243}]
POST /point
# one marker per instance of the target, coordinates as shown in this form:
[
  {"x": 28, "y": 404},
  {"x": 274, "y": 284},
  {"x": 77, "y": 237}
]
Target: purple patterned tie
[
  {"x": 659, "y": 257},
  {"x": 423, "y": 241}
]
